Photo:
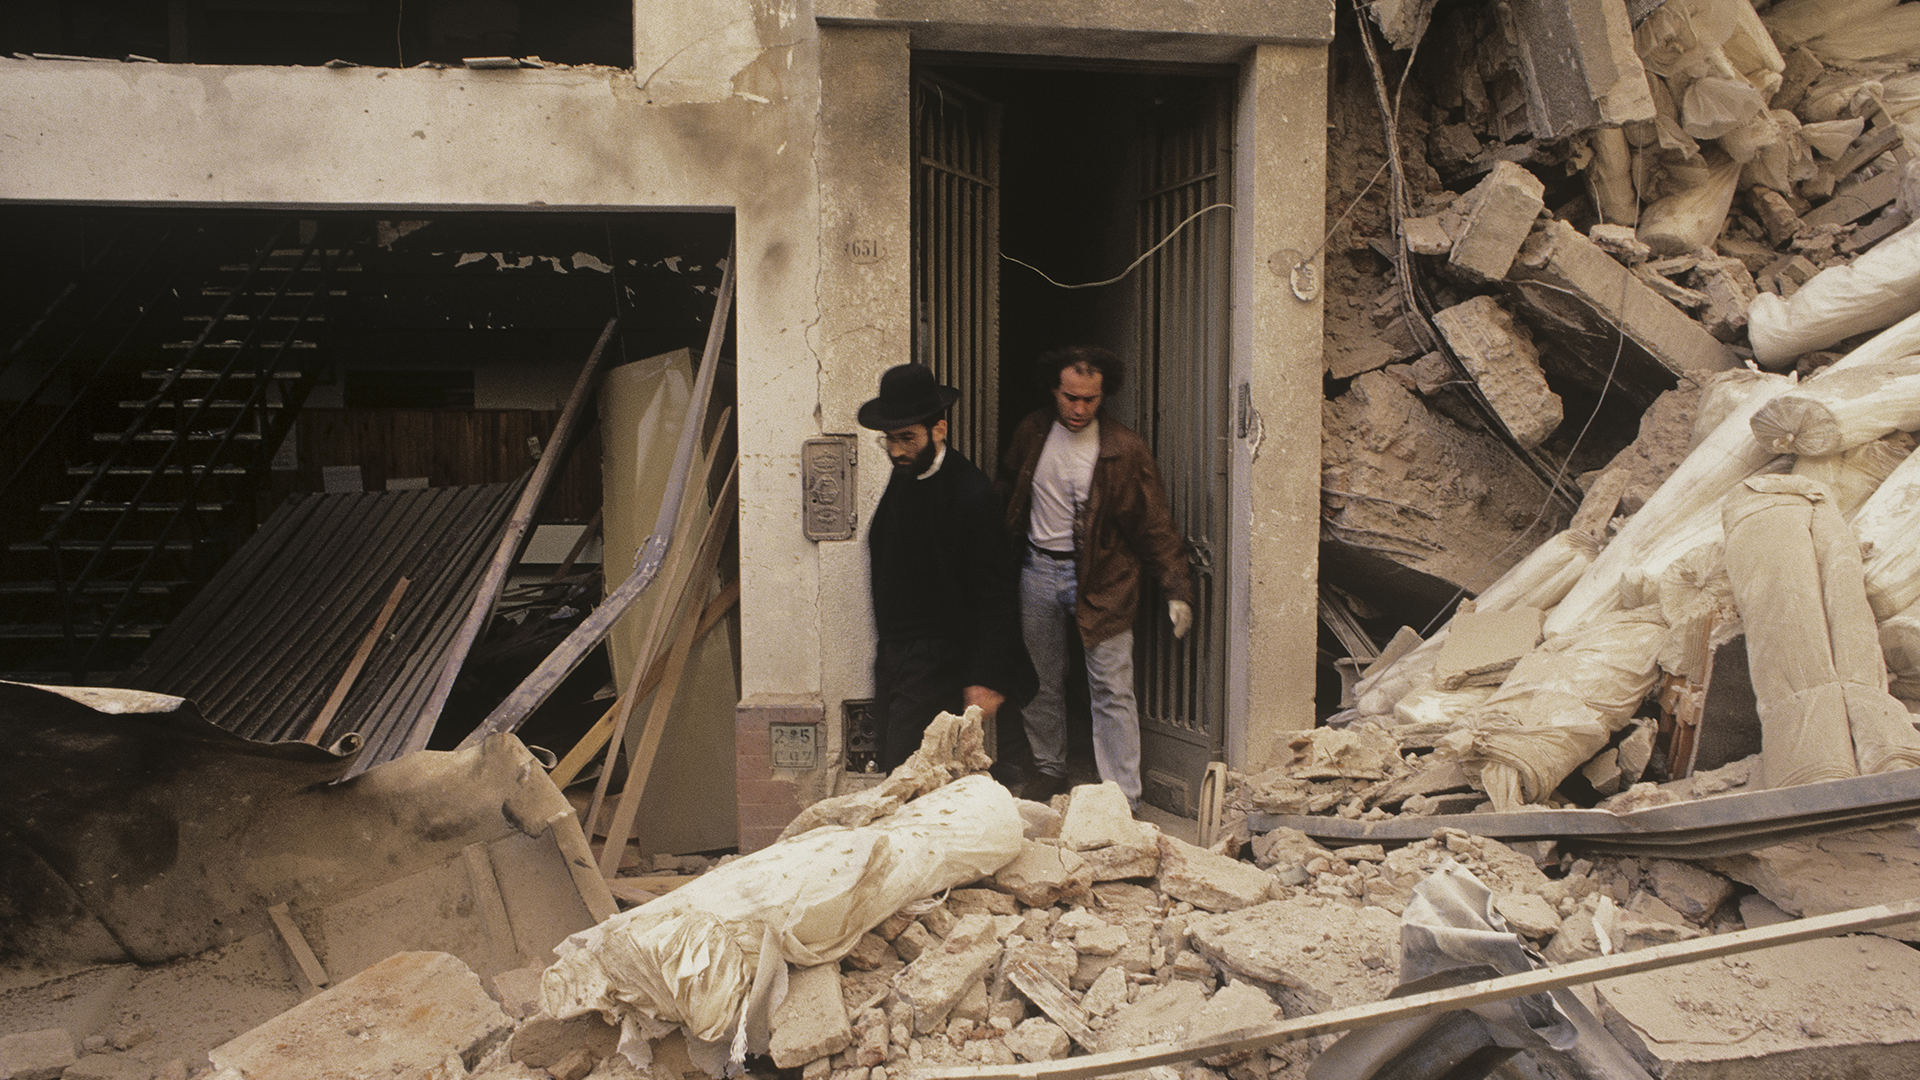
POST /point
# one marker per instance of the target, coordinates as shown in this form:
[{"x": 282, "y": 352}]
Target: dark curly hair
[{"x": 1091, "y": 359}]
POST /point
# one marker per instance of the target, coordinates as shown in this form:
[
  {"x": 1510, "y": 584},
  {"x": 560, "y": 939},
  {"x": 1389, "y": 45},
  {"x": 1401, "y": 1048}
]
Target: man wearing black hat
[{"x": 946, "y": 605}]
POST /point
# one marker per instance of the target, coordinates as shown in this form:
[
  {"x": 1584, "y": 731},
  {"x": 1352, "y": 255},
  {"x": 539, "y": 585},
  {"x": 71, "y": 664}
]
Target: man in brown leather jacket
[{"x": 1086, "y": 507}]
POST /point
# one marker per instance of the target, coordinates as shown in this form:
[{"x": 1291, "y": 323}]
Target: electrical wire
[{"x": 1130, "y": 266}]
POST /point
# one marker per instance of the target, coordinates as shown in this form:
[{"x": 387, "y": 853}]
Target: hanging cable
[{"x": 1130, "y": 266}]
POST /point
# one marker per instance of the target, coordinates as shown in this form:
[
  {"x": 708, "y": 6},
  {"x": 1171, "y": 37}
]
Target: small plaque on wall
[
  {"x": 795, "y": 746},
  {"x": 826, "y": 487}
]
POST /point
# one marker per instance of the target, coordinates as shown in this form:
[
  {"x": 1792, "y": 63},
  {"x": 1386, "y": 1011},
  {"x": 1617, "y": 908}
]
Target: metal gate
[
  {"x": 956, "y": 265},
  {"x": 1184, "y": 150}
]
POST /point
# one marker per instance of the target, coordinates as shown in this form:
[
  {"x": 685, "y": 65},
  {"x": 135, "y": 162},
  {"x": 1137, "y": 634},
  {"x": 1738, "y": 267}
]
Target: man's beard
[{"x": 920, "y": 462}]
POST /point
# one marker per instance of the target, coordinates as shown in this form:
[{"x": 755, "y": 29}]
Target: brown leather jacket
[{"x": 1124, "y": 525}]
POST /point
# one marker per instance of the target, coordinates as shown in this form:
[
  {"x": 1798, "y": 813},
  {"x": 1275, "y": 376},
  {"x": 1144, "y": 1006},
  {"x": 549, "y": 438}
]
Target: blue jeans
[{"x": 1048, "y": 590}]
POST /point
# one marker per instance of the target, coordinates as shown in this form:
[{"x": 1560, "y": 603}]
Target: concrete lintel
[{"x": 1184, "y": 30}]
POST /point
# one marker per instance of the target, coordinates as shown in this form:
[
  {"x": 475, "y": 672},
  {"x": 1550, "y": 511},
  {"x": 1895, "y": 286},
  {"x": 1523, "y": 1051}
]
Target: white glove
[{"x": 1181, "y": 614}]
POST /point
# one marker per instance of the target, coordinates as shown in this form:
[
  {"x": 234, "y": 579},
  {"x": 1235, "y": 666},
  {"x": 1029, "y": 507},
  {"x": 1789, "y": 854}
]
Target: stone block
[
  {"x": 543, "y": 1040},
  {"x": 1505, "y": 205},
  {"x": 982, "y": 902},
  {"x": 1118, "y": 862},
  {"x": 1285, "y": 847},
  {"x": 36, "y": 1055},
  {"x": 1833, "y": 1007},
  {"x": 518, "y": 991},
  {"x": 1501, "y": 357},
  {"x": 1604, "y": 773},
  {"x": 1039, "y": 1039},
  {"x": 1235, "y": 1008},
  {"x": 1107, "y": 994},
  {"x": 404, "y": 1015},
  {"x": 1481, "y": 646},
  {"x": 1314, "y": 953},
  {"x": 914, "y": 941},
  {"x": 1040, "y": 820},
  {"x": 1160, "y": 1014},
  {"x": 1835, "y": 872},
  {"x": 1426, "y": 236},
  {"x": 1579, "y": 294},
  {"x": 1098, "y": 816},
  {"x": 1528, "y": 915},
  {"x": 1044, "y": 874},
  {"x": 1103, "y": 940},
  {"x": 1209, "y": 881},
  {"x": 811, "y": 1021},
  {"x": 1620, "y": 242},
  {"x": 935, "y": 982},
  {"x": 938, "y": 919},
  {"x": 859, "y": 988},
  {"x": 1135, "y": 956},
  {"x": 1693, "y": 892},
  {"x": 1579, "y": 66},
  {"x": 870, "y": 952}
]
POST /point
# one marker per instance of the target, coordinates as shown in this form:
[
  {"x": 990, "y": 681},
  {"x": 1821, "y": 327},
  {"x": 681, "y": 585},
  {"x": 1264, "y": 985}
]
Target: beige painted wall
[{"x": 753, "y": 107}]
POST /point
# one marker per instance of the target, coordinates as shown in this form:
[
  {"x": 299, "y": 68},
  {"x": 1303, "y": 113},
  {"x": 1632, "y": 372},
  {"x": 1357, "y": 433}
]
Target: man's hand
[
  {"x": 986, "y": 697},
  {"x": 1181, "y": 614}
]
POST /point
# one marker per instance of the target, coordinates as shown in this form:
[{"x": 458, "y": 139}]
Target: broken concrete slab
[
  {"x": 810, "y": 1023},
  {"x": 543, "y": 1041},
  {"x": 36, "y": 1055},
  {"x": 1832, "y": 1007},
  {"x": 1043, "y": 875},
  {"x": 1500, "y": 356},
  {"x": 374, "y": 1024},
  {"x": 1098, "y": 816},
  {"x": 1505, "y": 205},
  {"x": 935, "y": 982},
  {"x": 1311, "y": 953},
  {"x": 1209, "y": 881},
  {"x": 1832, "y": 873},
  {"x": 1693, "y": 892},
  {"x": 1580, "y": 67},
  {"x": 1039, "y": 1039},
  {"x": 1579, "y": 295}
]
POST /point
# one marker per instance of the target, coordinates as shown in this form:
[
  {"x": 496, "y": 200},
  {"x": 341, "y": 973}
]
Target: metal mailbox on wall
[{"x": 826, "y": 483}]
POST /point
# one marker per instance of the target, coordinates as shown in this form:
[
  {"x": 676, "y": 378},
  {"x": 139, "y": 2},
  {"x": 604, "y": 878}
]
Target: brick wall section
[{"x": 768, "y": 800}]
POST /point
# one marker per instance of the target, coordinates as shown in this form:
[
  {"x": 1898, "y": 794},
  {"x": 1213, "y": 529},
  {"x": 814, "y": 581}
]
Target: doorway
[{"x": 1030, "y": 179}]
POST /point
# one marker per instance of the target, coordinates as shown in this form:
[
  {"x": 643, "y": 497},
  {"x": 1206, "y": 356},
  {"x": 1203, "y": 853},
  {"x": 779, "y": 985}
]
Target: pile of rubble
[
  {"x": 1094, "y": 933},
  {"x": 1662, "y": 205}
]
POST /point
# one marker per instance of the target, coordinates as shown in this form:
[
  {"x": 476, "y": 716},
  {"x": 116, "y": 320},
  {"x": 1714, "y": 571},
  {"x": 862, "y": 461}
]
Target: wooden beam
[
  {"x": 641, "y": 765},
  {"x": 1451, "y": 999},
  {"x": 296, "y": 943},
  {"x": 510, "y": 544},
  {"x": 352, "y": 674},
  {"x": 590, "y": 744},
  {"x": 566, "y": 656}
]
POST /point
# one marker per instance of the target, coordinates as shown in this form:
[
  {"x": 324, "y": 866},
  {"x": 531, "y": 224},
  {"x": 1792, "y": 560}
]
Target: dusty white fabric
[
  {"x": 1888, "y": 526},
  {"x": 1818, "y": 677},
  {"x": 1853, "y": 476},
  {"x": 711, "y": 955},
  {"x": 1841, "y": 408},
  {"x": 1876, "y": 290},
  {"x": 1562, "y": 703}
]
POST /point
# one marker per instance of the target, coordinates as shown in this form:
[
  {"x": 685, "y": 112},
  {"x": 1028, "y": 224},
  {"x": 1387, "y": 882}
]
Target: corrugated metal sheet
[{"x": 262, "y": 647}]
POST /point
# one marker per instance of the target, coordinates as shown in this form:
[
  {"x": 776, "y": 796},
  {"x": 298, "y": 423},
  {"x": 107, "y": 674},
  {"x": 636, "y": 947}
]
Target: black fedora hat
[{"x": 908, "y": 395}]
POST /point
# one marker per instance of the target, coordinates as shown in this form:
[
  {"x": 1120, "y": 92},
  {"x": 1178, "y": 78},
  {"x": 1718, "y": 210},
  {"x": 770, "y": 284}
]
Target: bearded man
[{"x": 946, "y": 605}]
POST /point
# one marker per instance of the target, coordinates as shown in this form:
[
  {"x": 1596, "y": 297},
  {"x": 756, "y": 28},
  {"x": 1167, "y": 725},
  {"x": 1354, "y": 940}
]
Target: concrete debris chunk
[
  {"x": 1505, "y": 205},
  {"x": 1580, "y": 293},
  {"x": 36, "y": 1055},
  {"x": 936, "y": 981},
  {"x": 1208, "y": 881},
  {"x": 1482, "y": 646},
  {"x": 1831, "y": 1007},
  {"x": 1039, "y": 1039},
  {"x": 811, "y": 1021},
  {"x": 1043, "y": 875},
  {"x": 1310, "y": 952},
  {"x": 374, "y": 1025},
  {"x": 1501, "y": 357},
  {"x": 544, "y": 1040}
]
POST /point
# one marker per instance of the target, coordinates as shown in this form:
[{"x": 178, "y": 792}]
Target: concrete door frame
[{"x": 1280, "y": 147}]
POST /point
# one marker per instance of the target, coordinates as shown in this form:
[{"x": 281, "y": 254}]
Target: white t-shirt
[{"x": 1061, "y": 481}]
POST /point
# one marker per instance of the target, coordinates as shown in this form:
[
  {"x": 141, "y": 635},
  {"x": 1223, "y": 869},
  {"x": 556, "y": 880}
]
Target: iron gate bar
[{"x": 1717, "y": 825}]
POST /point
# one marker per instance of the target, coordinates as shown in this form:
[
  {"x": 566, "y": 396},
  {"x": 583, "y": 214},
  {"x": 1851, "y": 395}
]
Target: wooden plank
[
  {"x": 666, "y": 616},
  {"x": 590, "y": 744},
  {"x": 310, "y": 965},
  {"x": 1452, "y": 999},
  {"x": 1053, "y": 999},
  {"x": 641, "y": 766},
  {"x": 566, "y": 656},
  {"x": 352, "y": 674},
  {"x": 510, "y": 544}
]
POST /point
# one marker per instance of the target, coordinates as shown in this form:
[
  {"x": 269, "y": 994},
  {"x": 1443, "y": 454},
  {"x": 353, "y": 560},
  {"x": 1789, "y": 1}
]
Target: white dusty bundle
[
  {"x": 1852, "y": 476},
  {"x": 1841, "y": 408},
  {"x": 1682, "y": 514},
  {"x": 1889, "y": 530},
  {"x": 1878, "y": 289}
]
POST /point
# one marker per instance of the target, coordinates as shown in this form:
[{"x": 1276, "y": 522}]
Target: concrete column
[
  {"x": 1280, "y": 181},
  {"x": 864, "y": 164}
]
